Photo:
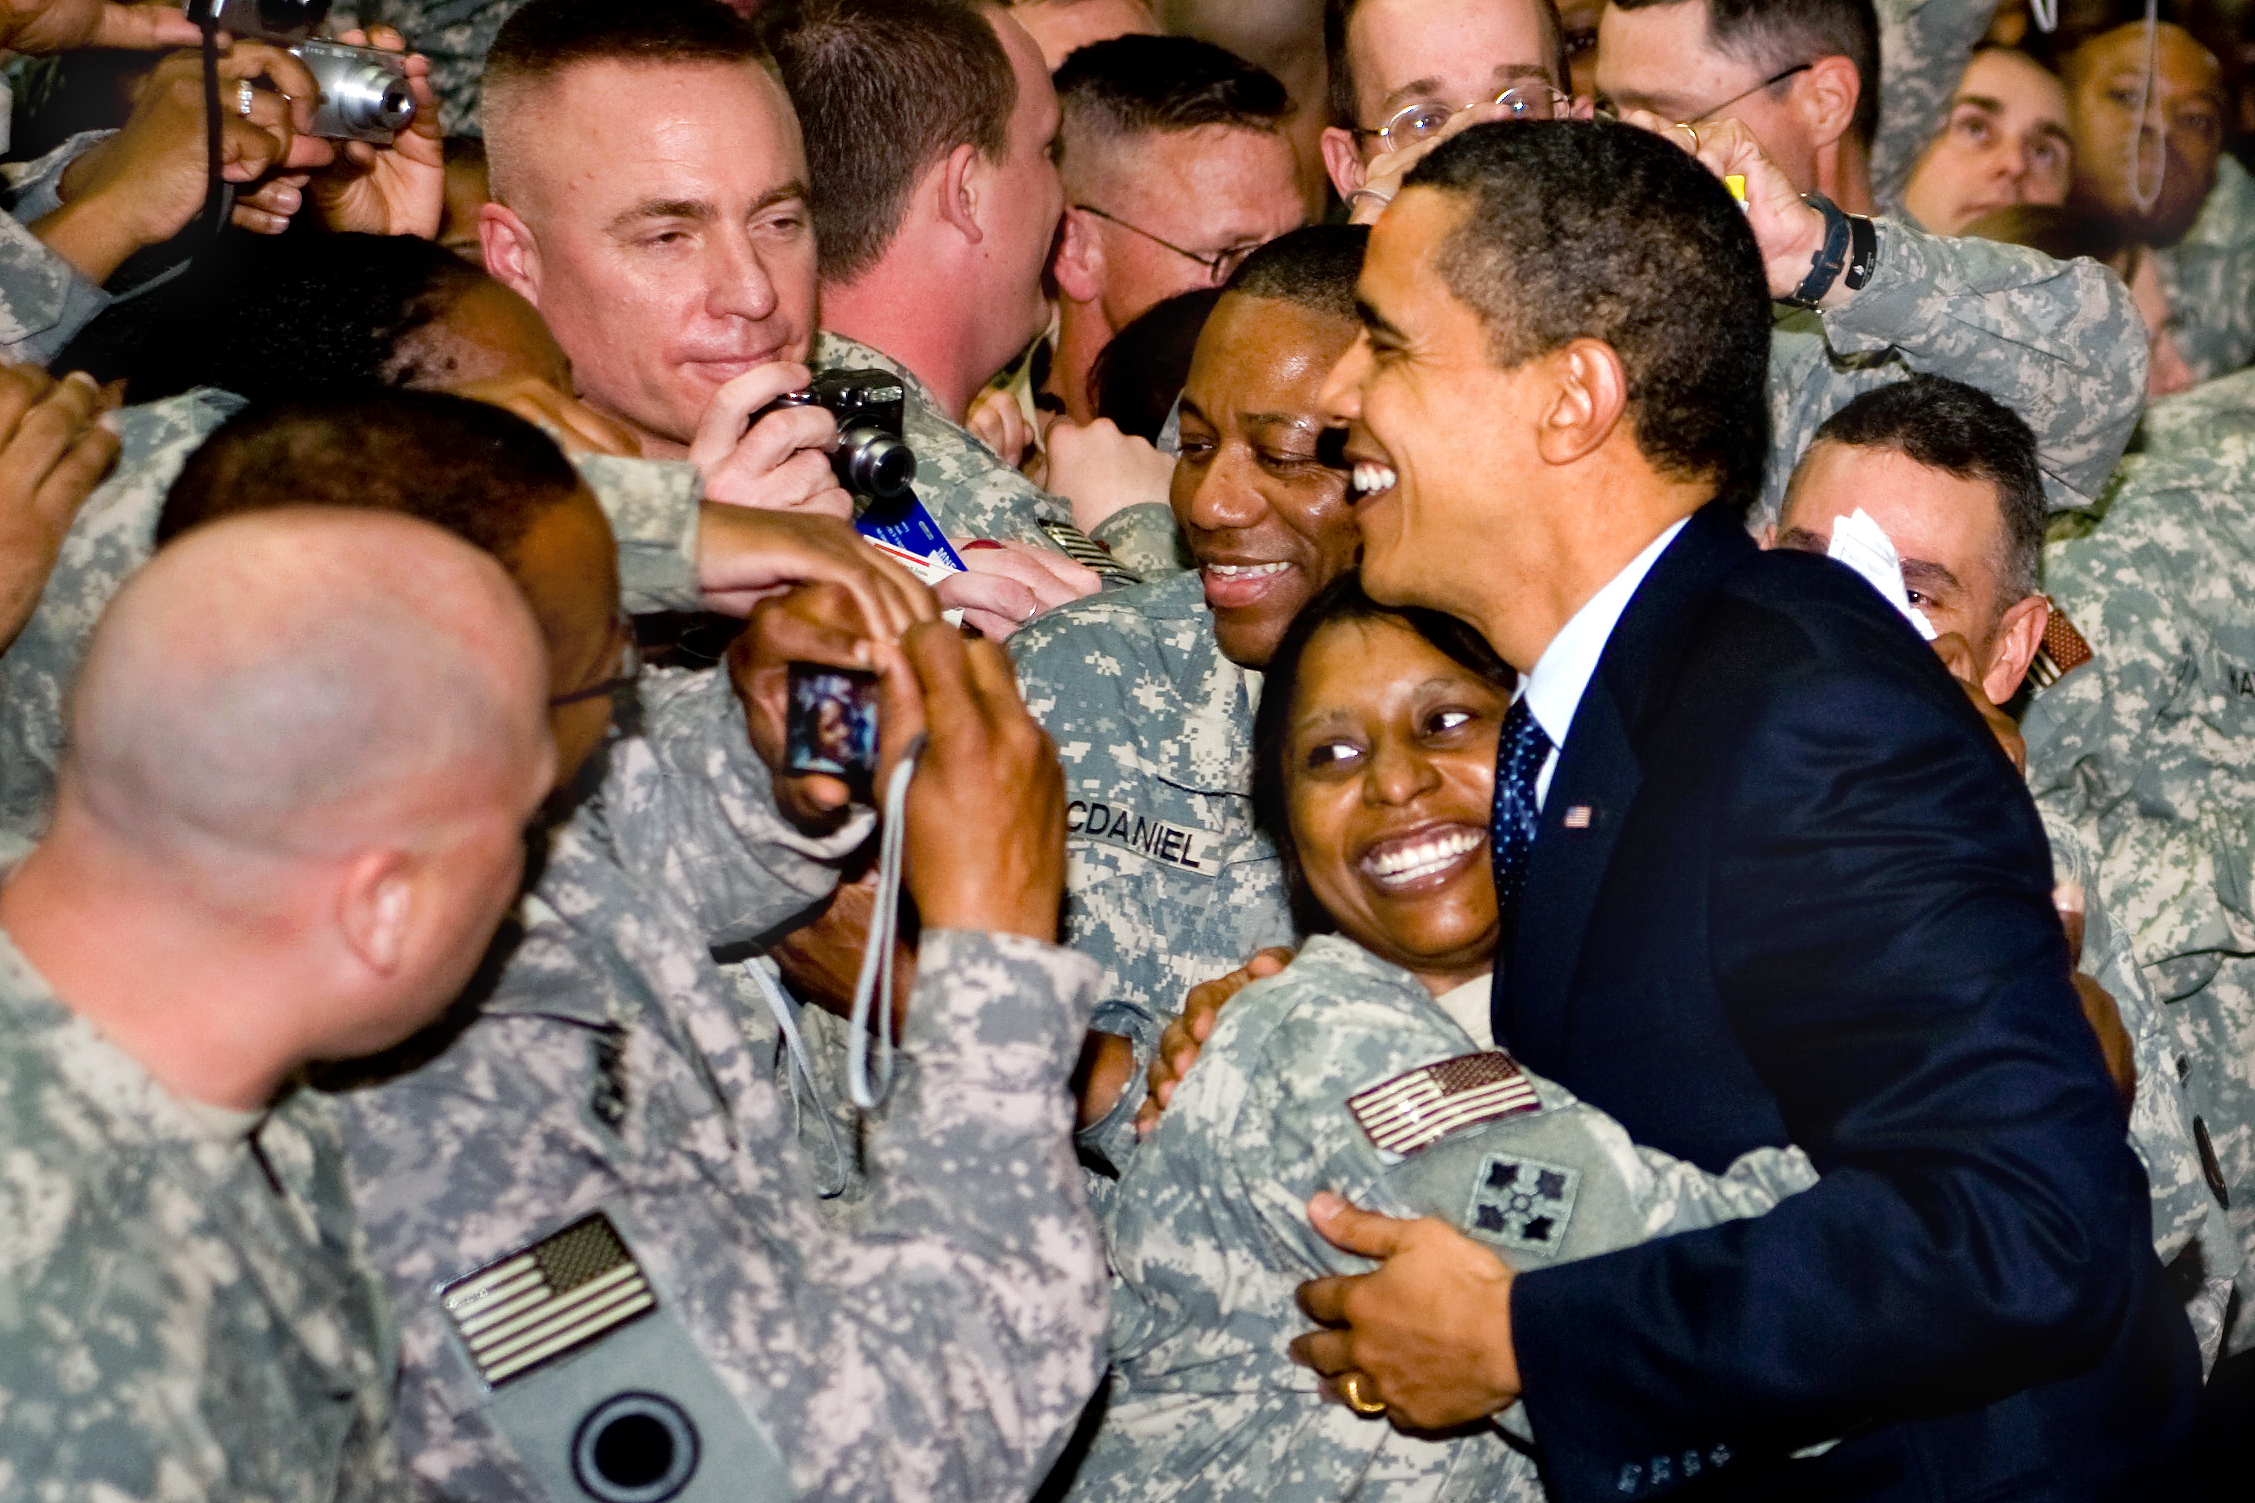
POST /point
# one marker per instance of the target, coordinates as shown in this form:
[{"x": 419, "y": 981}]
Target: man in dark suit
[{"x": 1765, "y": 878}]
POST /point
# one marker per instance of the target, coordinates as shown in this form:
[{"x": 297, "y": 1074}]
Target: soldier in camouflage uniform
[
  {"x": 607, "y": 1070},
  {"x": 652, "y": 506},
  {"x": 1209, "y": 1236},
  {"x": 2210, "y": 277},
  {"x": 2060, "y": 343},
  {"x": 1355, "y": 1071},
  {"x": 1170, "y": 884},
  {"x": 185, "y": 1312},
  {"x": 1150, "y": 696},
  {"x": 2144, "y": 747}
]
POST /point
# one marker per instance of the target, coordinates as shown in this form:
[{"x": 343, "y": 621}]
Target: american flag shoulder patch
[
  {"x": 547, "y": 1300},
  {"x": 1426, "y": 1104},
  {"x": 2063, "y": 651}
]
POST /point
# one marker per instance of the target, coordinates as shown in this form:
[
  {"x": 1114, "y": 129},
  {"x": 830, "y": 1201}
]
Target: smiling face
[
  {"x": 1389, "y": 774},
  {"x": 1266, "y": 518},
  {"x": 1435, "y": 425},
  {"x": 2006, "y": 143},
  {"x": 669, "y": 244}
]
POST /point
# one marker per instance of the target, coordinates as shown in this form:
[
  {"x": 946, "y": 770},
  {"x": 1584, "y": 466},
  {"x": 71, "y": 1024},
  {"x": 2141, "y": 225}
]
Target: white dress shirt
[{"x": 1553, "y": 690}]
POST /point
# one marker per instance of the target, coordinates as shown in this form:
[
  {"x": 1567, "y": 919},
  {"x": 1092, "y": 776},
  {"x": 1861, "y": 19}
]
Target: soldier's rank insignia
[
  {"x": 548, "y": 1300},
  {"x": 1426, "y": 1104},
  {"x": 1522, "y": 1203}
]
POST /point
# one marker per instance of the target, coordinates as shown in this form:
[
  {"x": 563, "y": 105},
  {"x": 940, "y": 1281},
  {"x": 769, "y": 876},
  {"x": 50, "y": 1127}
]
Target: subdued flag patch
[
  {"x": 1426, "y": 1104},
  {"x": 547, "y": 1300}
]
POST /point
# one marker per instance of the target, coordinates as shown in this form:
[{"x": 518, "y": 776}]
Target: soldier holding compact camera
[{"x": 347, "y": 126}]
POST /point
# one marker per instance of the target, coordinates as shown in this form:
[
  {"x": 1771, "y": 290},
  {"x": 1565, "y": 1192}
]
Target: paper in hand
[{"x": 1863, "y": 545}]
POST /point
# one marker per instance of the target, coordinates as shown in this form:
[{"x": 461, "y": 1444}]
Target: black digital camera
[
  {"x": 873, "y": 462},
  {"x": 364, "y": 93}
]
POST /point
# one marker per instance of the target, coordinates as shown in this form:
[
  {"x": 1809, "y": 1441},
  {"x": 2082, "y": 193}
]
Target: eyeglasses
[
  {"x": 1770, "y": 82},
  {"x": 626, "y": 674},
  {"x": 1217, "y": 264},
  {"x": 1413, "y": 123}
]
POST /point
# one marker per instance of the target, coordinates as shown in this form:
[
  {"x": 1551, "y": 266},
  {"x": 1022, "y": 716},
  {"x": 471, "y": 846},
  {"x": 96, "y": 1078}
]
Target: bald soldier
[{"x": 302, "y": 751}]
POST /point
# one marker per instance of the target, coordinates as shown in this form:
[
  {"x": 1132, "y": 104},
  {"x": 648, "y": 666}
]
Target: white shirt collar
[{"x": 1554, "y": 688}]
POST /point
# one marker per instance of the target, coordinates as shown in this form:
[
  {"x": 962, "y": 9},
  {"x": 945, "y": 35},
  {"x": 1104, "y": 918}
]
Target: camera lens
[
  {"x": 874, "y": 463},
  {"x": 370, "y": 98}
]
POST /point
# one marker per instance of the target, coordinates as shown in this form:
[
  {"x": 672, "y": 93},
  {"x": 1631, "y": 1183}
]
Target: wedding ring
[
  {"x": 244, "y": 95},
  {"x": 1692, "y": 131},
  {"x": 1350, "y": 1385}
]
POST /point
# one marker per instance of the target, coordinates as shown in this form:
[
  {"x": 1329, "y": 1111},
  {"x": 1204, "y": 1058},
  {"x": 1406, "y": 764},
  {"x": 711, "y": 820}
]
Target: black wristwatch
[{"x": 1850, "y": 242}]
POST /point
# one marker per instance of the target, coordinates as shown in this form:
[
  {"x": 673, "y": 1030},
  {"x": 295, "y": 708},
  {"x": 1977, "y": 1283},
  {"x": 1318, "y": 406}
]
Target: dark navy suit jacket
[{"x": 1788, "y": 890}]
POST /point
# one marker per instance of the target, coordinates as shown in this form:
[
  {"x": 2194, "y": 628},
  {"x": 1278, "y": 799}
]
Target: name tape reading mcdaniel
[{"x": 1117, "y": 824}]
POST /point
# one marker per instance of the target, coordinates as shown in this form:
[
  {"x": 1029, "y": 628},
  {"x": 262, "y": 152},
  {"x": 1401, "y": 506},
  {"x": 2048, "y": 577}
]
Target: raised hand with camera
[
  {"x": 380, "y": 186},
  {"x": 753, "y": 453},
  {"x": 146, "y": 183}
]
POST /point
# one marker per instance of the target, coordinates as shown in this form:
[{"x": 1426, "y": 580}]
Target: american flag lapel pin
[{"x": 1577, "y": 818}]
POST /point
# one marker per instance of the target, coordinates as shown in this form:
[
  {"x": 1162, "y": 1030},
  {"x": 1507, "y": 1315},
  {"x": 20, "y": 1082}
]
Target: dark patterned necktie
[{"x": 1520, "y": 751}]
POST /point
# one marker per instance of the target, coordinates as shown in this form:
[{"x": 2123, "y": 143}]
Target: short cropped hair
[
  {"x": 1143, "y": 85},
  {"x": 482, "y": 473},
  {"x": 298, "y": 315},
  {"x": 1340, "y": 90},
  {"x": 1773, "y": 35},
  {"x": 1341, "y": 600},
  {"x": 1314, "y": 268},
  {"x": 547, "y": 37},
  {"x": 1947, "y": 425},
  {"x": 884, "y": 89},
  {"x": 1590, "y": 229}
]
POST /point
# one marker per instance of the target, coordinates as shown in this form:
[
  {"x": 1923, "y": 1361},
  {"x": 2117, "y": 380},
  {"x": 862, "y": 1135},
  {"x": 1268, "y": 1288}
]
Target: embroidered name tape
[
  {"x": 552, "y": 1298},
  {"x": 1183, "y": 846},
  {"x": 1428, "y": 1103}
]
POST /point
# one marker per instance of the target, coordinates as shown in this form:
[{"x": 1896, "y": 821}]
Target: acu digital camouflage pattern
[
  {"x": 2060, "y": 343},
  {"x": 941, "y": 1344},
  {"x": 1209, "y": 1239},
  {"x": 2210, "y": 277},
  {"x": 184, "y": 1314},
  {"x": 1168, "y": 883},
  {"x": 2196, "y": 418},
  {"x": 44, "y": 300},
  {"x": 2191, "y": 1235},
  {"x": 1924, "y": 46},
  {"x": 2148, "y": 751},
  {"x": 652, "y": 506}
]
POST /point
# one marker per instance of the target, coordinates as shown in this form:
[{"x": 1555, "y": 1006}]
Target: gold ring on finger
[
  {"x": 1351, "y": 1386},
  {"x": 1692, "y": 131}
]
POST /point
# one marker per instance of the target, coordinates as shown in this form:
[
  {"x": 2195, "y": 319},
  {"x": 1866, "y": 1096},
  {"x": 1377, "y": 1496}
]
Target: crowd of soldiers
[{"x": 438, "y": 1053}]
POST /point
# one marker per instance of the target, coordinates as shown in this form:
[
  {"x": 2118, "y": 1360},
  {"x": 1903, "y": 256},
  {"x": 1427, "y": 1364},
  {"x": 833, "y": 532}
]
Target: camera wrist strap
[
  {"x": 799, "y": 1075},
  {"x": 875, "y": 984}
]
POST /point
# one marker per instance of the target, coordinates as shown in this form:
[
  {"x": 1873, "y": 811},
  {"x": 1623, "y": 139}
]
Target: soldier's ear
[
  {"x": 2019, "y": 634},
  {"x": 512, "y": 256},
  {"x": 962, "y": 189},
  {"x": 1077, "y": 265},
  {"x": 376, "y": 909}
]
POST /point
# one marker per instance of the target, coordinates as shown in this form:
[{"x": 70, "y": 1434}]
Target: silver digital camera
[{"x": 364, "y": 93}]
